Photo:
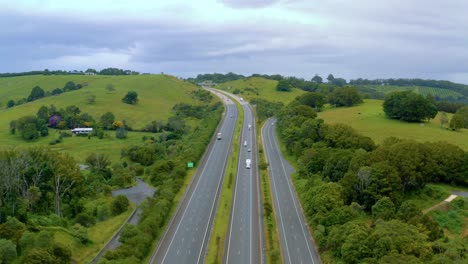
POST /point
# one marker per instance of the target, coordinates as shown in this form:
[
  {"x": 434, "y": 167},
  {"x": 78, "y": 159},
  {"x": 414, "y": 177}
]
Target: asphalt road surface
[
  {"x": 186, "y": 238},
  {"x": 296, "y": 243},
  {"x": 244, "y": 242}
]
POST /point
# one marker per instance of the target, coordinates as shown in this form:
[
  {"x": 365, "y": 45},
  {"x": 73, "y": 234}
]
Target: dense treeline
[
  {"x": 216, "y": 77},
  {"x": 354, "y": 192},
  {"x": 37, "y": 93},
  {"x": 457, "y": 87},
  {"x": 106, "y": 71}
]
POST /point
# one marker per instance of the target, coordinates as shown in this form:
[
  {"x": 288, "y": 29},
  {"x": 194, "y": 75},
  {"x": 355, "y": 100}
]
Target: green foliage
[
  {"x": 265, "y": 109},
  {"x": 36, "y": 93},
  {"x": 312, "y": 99},
  {"x": 456, "y": 122},
  {"x": 408, "y": 106},
  {"x": 121, "y": 133},
  {"x": 7, "y": 251},
  {"x": 283, "y": 86},
  {"x": 347, "y": 96},
  {"x": 10, "y": 103},
  {"x": 39, "y": 256},
  {"x": 130, "y": 98},
  {"x": 85, "y": 219},
  {"x": 70, "y": 86},
  {"x": 119, "y": 204},
  {"x": 383, "y": 209}
]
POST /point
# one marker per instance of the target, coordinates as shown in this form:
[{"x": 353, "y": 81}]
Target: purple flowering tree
[{"x": 54, "y": 120}]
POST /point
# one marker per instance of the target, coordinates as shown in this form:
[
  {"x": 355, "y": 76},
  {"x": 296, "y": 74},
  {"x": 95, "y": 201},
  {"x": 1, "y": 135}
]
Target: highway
[
  {"x": 244, "y": 237},
  {"x": 188, "y": 232},
  {"x": 296, "y": 244}
]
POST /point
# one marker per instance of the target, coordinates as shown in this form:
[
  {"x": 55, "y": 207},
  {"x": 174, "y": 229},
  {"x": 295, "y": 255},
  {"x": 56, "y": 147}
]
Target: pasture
[
  {"x": 370, "y": 120},
  {"x": 257, "y": 87},
  {"x": 157, "y": 95}
]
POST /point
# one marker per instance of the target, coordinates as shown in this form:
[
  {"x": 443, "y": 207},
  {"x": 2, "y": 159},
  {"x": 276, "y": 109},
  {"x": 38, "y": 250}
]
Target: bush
[
  {"x": 102, "y": 212},
  {"x": 121, "y": 133},
  {"x": 80, "y": 233},
  {"x": 85, "y": 219},
  {"x": 119, "y": 204}
]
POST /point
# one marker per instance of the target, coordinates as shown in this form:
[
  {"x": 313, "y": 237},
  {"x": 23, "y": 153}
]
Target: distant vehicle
[
  {"x": 247, "y": 163},
  {"x": 242, "y": 99},
  {"x": 249, "y": 126},
  {"x": 248, "y": 150},
  {"x": 219, "y": 136},
  {"x": 245, "y": 143}
]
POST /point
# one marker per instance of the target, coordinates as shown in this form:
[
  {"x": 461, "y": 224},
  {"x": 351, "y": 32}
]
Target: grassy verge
[
  {"x": 99, "y": 234},
  {"x": 221, "y": 222},
  {"x": 270, "y": 229}
]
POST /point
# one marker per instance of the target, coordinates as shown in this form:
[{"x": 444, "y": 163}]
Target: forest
[{"x": 355, "y": 193}]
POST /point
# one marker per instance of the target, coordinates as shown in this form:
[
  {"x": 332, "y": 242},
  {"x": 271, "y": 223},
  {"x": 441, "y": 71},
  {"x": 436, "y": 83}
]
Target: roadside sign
[{"x": 189, "y": 164}]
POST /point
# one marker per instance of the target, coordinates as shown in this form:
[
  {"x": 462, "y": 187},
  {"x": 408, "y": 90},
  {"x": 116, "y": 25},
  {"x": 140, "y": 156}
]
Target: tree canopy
[{"x": 409, "y": 106}]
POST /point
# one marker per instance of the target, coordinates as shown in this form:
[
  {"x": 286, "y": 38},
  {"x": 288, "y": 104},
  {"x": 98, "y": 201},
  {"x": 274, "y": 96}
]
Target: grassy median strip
[
  {"x": 223, "y": 213},
  {"x": 270, "y": 229}
]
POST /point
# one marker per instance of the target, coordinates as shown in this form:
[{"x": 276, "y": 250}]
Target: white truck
[
  {"x": 247, "y": 163},
  {"x": 219, "y": 136}
]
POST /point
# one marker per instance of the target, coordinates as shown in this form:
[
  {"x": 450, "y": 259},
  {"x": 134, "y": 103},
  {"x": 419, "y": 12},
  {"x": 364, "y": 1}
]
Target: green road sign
[{"x": 189, "y": 164}]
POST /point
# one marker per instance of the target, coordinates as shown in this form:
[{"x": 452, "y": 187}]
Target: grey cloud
[{"x": 248, "y": 3}]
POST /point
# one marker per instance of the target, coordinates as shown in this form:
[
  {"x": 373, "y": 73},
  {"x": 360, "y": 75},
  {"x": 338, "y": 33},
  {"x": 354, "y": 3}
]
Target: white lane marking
[
  {"x": 277, "y": 202},
  {"x": 295, "y": 206},
  {"x": 190, "y": 200},
  {"x": 214, "y": 200}
]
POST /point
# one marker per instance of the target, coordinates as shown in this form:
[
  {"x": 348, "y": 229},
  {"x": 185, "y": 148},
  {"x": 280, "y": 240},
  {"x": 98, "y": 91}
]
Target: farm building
[{"x": 82, "y": 130}]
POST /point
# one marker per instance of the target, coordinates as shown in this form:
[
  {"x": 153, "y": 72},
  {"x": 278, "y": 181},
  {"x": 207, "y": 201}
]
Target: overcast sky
[{"x": 351, "y": 39}]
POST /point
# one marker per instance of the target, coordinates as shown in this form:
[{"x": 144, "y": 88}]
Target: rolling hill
[
  {"x": 370, "y": 120},
  {"x": 157, "y": 95},
  {"x": 257, "y": 87}
]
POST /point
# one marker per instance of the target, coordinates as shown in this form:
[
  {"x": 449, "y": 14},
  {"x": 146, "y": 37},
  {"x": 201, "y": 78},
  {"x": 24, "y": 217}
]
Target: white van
[
  {"x": 245, "y": 143},
  {"x": 247, "y": 163}
]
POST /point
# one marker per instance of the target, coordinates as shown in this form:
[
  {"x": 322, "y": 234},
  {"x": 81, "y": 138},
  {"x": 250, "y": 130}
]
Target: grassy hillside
[
  {"x": 438, "y": 92},
  {"x": 256, "y": 87},
  {"x": 370, "y": 120},
  {"x": 157, "y": 95}
]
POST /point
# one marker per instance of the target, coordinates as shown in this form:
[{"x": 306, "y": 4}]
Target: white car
[
  {"x": 245, "y": 143},
  {"x": 247, "y": 163}
]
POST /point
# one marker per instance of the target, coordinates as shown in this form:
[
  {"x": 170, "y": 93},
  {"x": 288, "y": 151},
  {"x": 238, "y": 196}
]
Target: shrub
[
  {"x": 119, "y": 204},
  {"x": 85, "y": 219}
]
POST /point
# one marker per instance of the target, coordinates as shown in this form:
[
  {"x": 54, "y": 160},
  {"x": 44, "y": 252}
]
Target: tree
[
  {"x": 443, "y": 119},
  {"x": 330, "y": 78},
  {"x": 283, "y": 86},
  {"x": 383, "y": 209},
  {"x": 317, "y": 79},
  {"x": 10, "y": 103},
  {"x": 130, "y": 98},
  {"x": 107, "y": 120},
  {"x": 456, "y": 122},
  {"x": 121, "y": 133},
  {"x": 312, "y": 99},
  {"x": 57, "y": 91},
  {"x": 347, "y": 96},
  {"x": 65, "y": 175},
  {"x": 98, "y": 162},
  {"x": 69, "y": 86},
  {"x": 7, "y": 251},
  {"x": 43, "y": 113},
  {"x": 36, "y": 93},
  {"x": 408, "y": 106},
  {"x": 119, "y": 204}
]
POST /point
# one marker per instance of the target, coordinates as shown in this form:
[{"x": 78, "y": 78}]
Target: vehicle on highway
[
  {"x": 219, "y": 136},
  {"x": 247, "y": 163},
  {"x": 245, "y": 143},
  {"x": 250, "y": 126},
  {"x": 248, "y": 150}
]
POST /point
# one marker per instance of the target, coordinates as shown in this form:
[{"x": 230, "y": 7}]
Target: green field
[
  {"x": 157, "y": 95},
  {"x": 266, "y": 89},
  {"x": 370, "y": 120},
  {"x": 423, "y": 90}
]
